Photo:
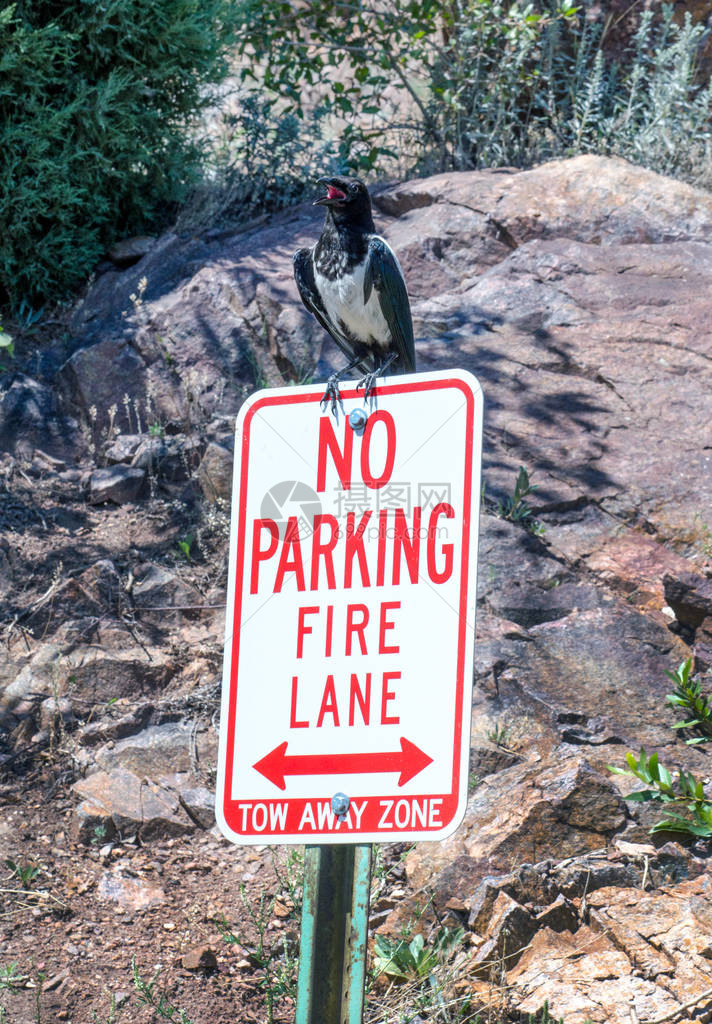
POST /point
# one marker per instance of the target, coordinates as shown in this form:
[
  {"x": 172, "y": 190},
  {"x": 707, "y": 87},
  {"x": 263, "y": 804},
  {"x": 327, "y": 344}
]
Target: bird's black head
[{"x": 347, "y": 199}]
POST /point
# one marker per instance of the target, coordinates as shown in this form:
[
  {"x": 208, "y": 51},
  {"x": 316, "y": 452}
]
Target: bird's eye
[{"x": 353, "y": 187}]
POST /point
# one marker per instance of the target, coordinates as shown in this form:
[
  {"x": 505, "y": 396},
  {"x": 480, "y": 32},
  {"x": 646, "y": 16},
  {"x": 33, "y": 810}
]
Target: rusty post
[{"x": 332, "y": 956}]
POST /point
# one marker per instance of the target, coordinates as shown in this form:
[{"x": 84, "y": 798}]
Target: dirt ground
[{"x": 187, "y": 929}]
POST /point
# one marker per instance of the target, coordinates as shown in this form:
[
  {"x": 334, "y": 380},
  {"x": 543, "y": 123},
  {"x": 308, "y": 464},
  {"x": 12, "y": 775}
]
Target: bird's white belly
[{"x": 343, "y": 301}]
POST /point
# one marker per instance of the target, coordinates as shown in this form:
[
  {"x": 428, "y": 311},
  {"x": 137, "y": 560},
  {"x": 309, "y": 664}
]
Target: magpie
[{"x": 352, "y": 282}]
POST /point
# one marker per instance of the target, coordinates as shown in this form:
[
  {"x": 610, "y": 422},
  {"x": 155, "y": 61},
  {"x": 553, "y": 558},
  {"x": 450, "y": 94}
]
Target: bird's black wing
[
  {"x": 304, "y": 276},
  {"x": 385, "y": 275}
]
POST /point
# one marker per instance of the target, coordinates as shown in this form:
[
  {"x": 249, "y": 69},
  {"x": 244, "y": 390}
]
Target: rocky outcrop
[
  {"x": 641, "y": 954},
  {"x": 579, "y": 293}
]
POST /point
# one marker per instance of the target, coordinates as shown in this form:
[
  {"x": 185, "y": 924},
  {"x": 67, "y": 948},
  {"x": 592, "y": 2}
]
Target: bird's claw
[
  {"x": 332, "y": 395},
  {"x": 368, "y": 382}
]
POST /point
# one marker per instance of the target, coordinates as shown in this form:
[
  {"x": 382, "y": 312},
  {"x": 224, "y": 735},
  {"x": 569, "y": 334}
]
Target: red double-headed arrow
[{"x": 409, "y": 760}]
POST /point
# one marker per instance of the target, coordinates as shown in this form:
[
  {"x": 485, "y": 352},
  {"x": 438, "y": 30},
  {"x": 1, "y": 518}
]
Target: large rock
[
  {"x": 590, "y": 198},
  {"x": 112, "y": 665},
  {"x": 28, "y": 683},
  {"x": 155, "y": 751},
  {"x": 573, "y": 673},
  {"x": 510, "y": 929},
  {"x": 690, "y": 597},
  {"x": 578, "y": 292},
  {"x": 527, "y": 813},
  {"x": 600, "y": 259},
  {"x": 30, "y": 418},
  {"x": 157, "y": 587},
  {"x": 120, "y": 803},
  {"x": 584, "y": 977},
  {"x": 217, "y": 319}
]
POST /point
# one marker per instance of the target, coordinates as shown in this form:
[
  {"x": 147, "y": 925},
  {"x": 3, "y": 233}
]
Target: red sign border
[{"x": 451, "y": 799}]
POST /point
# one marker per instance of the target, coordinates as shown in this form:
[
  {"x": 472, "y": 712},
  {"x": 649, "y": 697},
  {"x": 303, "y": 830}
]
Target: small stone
[
  {"x": 509, "y": 931},
  {"x": 482, "y": 904},
  {"x": 132, "y": 894},
  {"x": 170, "y": 458},
  {"x": 158, "y": 587},
  {"x": 690, "y": 597},
  {"x": 200, "y": 958},
  {"x": 54, "y": 710},
  {"x": 128, "y": 251},
  {"x": 560, "y": 916},
  {"x": 587, "y": 874},
  {"x": 634, "y": 849},
  {"x": 122, "y": 448},
  {"x": 215, "y": 472},
  {"x": 120, "y": 484}
]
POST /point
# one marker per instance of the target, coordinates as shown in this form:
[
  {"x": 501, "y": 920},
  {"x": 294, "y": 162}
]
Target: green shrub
[
  {"x": 98, "y": 105},
  {"x": 684, "y": 792},
  {"x": 421, "y": 86}
]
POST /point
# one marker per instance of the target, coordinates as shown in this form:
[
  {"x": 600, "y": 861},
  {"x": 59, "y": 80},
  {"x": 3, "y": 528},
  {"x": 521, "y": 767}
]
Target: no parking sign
[{"x": 351, "y": 613}]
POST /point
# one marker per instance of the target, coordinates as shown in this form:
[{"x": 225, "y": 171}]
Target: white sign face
[{"x": 351, "y": 613}]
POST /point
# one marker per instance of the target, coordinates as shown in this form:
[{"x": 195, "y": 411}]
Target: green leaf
[
  {"x": 677, "y": 824},
  {"x": 632, "y": 763}
]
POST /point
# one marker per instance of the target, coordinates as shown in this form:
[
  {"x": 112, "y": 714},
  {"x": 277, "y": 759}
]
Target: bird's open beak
[{"x": 333, "y": 195}]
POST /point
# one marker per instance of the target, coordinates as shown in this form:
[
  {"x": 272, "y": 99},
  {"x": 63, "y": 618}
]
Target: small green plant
[
  {"x": 10, "y": 978},
  {"x": 25, "y": 873},
  {"x": 185, "y": 545},
  {"x": 39, "y": 988},
  {"x": 688, "y": 696},
  {"x": 290, "y": 876},
  {"x": 28, "y": 316},
  {"x": 684, "y": 793},
  {"x": 158, "y": 1001},
  {"x": 417, "y": 959},
  {"x": 517, "y": 509},
  {"x": 10, "y": 981},
  {"x": 499, "y": 735},
  {"x": 114, "y": 1013},
  {"x": 98, "y": 834},
  {"x": 278, "y": 965},
  {"x": 156, "y": 429},
  {"x": 261, "y": 380}
]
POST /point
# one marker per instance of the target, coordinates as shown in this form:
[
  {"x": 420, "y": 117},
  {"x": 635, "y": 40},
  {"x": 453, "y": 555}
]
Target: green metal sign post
[{"x": 332, "y": 958}]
